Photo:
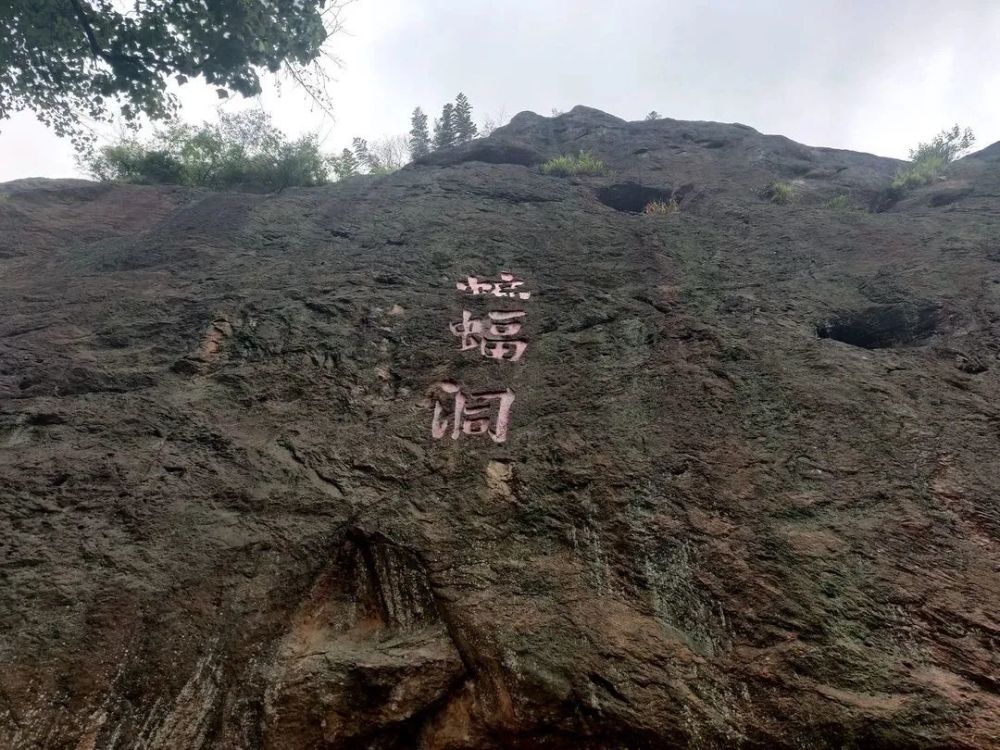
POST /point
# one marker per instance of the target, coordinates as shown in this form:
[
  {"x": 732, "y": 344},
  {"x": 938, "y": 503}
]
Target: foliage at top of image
[
  {"x": 779, "y": 193},
  {"x": 70, "y": 60},
  {"x": 242, "y": 150},
  {"x": 584, "y": 163},
  {"x": 928, "y": 160}
]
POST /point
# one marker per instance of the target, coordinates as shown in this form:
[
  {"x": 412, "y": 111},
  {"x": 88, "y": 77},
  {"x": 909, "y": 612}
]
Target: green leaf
[{"x": 64, "y": 55}]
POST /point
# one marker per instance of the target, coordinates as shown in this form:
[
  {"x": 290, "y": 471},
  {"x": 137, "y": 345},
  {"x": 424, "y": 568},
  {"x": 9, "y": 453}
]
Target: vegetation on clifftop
[
  {"x": 928, "y": 159},
  {"x": 246, "y": 150},
  {"x": 927, "y": 163},
  {"x": 584, "y": 163},
  {"x": 239, "y": 151}
]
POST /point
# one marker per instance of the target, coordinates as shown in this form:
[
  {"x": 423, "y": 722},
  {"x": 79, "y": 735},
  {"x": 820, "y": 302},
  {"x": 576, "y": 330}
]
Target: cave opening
[
  {"x": 631, "y": 197},
  {"x": 882, "y": 326}
]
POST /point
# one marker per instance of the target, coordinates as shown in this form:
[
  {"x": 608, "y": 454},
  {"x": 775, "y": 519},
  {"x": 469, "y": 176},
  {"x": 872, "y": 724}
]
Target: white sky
[{"x": 869, "y": 75}]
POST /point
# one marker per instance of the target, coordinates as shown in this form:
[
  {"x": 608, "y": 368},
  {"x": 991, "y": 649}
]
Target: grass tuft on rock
[
  {"x": 840, "y": 203},
  {"x": 584, "y": 163},
  {"x": 779, "y": 193},
  {"x": 661, "y": 208}
]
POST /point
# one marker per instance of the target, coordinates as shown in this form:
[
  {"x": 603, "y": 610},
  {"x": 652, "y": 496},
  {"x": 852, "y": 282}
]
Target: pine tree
[
  {"x": 465, "y": 128},
  {"x": 444, "y": 129},
  {"x": 420, "y": 140},
  {"x": 345, "y": 165}
]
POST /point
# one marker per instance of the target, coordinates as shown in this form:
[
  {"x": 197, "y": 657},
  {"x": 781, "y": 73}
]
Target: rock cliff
[{"x": 272, "y": 476}]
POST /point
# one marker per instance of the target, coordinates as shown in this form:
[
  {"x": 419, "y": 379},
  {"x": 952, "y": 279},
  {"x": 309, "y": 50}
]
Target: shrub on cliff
[
  {"x": 947, "y": 145},
  {"x": 242, "y": 150},
  {"x": 927, "y": 160},
  {"x": 583, "y": 163},
  {"x": 918, "y": 173}
]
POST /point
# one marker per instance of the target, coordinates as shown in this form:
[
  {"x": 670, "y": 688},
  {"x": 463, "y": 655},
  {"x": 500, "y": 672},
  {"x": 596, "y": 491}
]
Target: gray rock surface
[{"x": 748, "y": 496}]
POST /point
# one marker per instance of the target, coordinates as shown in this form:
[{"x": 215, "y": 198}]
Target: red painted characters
[
  {"x": 497, "y": 336},
  {"x": 507, "y": 286},
  {"x": 494, "y": 339},
  {"x": 472, "y": 413}
]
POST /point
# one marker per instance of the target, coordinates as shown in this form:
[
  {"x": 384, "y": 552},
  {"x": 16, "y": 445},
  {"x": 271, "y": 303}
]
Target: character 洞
[{"x": 471, "y": 414}]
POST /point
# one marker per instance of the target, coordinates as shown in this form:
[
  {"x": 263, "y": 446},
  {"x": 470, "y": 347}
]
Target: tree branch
[
  {"x": 95, "y": 45},
  {"x": 88, "y": 29}
]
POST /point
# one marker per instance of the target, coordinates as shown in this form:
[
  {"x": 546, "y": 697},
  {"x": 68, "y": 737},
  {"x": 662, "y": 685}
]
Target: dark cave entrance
[
  {"x": 882, "y": 326},
  {"x": 631, "y": 197}
]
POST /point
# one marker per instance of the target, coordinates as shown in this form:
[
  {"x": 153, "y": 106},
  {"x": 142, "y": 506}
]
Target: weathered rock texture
[{"x": 749, "y": 497}]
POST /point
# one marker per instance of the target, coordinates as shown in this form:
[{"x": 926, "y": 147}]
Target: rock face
[{"x": 748, "y": 495}]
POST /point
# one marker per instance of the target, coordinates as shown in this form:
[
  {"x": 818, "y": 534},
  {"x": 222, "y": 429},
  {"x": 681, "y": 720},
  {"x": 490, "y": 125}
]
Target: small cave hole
[
  {"x": 882, "y": 326},
  {"x": 947, "y": 197},
  {"x": 44, "y": 419},
  {"x": 631, "y": 197}
]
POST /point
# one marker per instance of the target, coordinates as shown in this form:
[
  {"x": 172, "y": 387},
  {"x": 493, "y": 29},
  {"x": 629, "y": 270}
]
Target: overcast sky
[{"x": 868, "y": 75}]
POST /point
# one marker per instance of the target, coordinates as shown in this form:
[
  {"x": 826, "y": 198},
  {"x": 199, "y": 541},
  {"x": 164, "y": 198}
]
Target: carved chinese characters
[
  {"x": 472, "y": 414},
  {"x": 507, "y": 286},
  {"x": 493, "y": 339},
  {"x": 496, "y": 336}
]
